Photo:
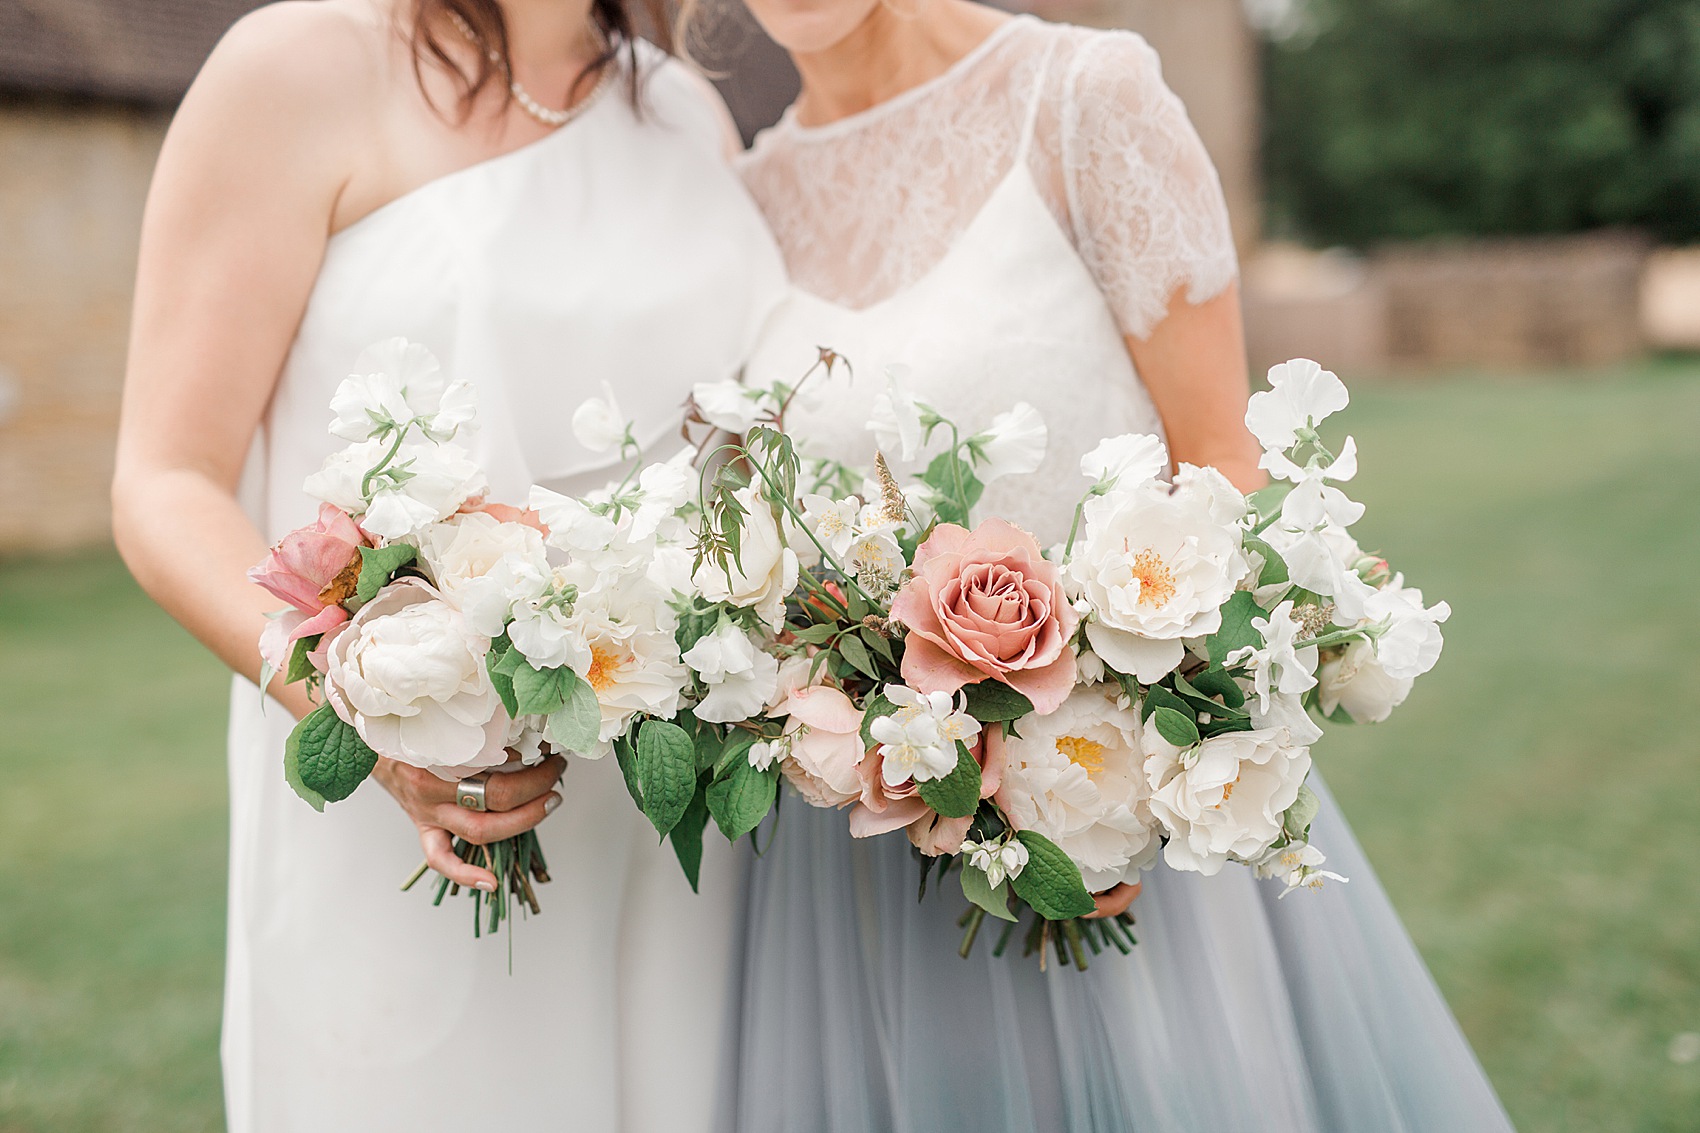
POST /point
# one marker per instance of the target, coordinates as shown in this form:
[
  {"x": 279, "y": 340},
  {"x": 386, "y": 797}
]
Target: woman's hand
[
  {"x": 1113, "y": 902},
  {"x": 516, "y": 801}
]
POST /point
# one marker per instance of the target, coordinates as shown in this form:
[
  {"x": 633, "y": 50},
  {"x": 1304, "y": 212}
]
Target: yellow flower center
[
  {"x": 1227, "y": 793},
  {"x": 1156, "y": 580},
  {"x": 604, "y": 664},
  {"x": 1084, "y": 753}
]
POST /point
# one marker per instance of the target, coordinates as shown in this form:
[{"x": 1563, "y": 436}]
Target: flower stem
[{"x": 374, "y": 473}]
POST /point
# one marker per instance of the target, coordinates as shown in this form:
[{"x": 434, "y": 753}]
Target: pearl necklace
[{"x": 552, "y": 118}]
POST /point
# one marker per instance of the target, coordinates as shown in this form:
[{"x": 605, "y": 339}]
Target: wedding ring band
[{"x": 469, "y": 794}]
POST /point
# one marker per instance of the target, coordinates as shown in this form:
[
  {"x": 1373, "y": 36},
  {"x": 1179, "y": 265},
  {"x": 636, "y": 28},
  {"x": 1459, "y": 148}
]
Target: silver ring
[{"x": 469, "y": 794}]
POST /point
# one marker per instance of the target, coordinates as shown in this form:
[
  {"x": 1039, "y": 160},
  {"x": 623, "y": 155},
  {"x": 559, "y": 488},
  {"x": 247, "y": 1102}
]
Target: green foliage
[
  {"x": 543, "y": 692},
  {"x": 741, "y": 796},
  {"x": 378, "y": 565},
  {"x": 958, "y": 488},
  {"x": 1176, "y": 727},
  {"x": 501, "y": 663},
  {"x": 577, "y": 724},
  {"x": 1051, "y": 882},
  {"x": 300, "y": 668},
  {"x": 851, "y": 648},
  {"x": 993, "y": 702},
  {"x": 1408, "y": 119},
  {"x": 686, "y": 837},
  {"x": 1237, "y": 631},
  {"x": 979, "y": 890},
  {"x": 327, "y": 757},
  {"x": 666, "y": 771},
  {"x": 957, "y": 795},
  {"x": 1298, "y": 817}
]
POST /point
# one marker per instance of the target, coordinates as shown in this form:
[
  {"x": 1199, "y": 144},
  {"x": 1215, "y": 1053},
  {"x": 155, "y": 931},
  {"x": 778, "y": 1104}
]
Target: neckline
[
  {"x": 903, "y": 98},
  {"x": 454, "y": 175}
]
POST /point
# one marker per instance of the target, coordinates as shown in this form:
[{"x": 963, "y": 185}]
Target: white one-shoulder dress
[
  {"x": 999, "y": 230},
  {"x": 621, "y": 249}
]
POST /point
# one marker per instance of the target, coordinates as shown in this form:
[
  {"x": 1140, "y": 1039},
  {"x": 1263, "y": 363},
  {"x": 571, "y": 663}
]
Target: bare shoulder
[{"x": 314, "y": 57}]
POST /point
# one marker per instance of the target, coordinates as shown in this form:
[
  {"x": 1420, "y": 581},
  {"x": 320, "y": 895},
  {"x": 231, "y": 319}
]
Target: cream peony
[
  {"x": 1224, "y": 798},
  {"x": 483, "y": 565},
  {"x": 765, "y": 571},
  {"x": 408, "y": 673},
  {"x": 1155, "y": 566},
  {"x": 1076, "y": 777}
]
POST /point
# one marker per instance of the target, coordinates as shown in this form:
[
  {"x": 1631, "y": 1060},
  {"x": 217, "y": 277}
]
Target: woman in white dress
[
  {"x": 343, "y": 172},
  {"x": 1021, "y": 211}
]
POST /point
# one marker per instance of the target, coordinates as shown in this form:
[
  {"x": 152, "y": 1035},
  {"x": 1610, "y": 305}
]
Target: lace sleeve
[{"x": 1144, "y": 200}]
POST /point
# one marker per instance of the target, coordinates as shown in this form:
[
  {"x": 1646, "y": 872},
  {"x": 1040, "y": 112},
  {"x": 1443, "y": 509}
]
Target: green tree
[{"x": 1404, "y": 119}]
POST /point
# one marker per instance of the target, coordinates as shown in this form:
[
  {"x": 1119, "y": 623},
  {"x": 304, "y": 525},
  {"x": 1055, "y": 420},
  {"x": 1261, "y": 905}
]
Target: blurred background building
[{"x": 1412, "y": 185}]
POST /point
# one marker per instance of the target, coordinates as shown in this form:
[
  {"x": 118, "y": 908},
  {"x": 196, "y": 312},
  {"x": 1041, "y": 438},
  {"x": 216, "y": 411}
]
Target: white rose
[
  {"x": 732, "y": 406},
  {"x": 1076, "y": 776},
  {"x": 765, "y": 571},
  {"x": 741, "y": 678},
  {"x": 1224, "y": 798},
  {"x": 1155, "y": 567},
  {"x": 597, "y": 423},
  {"x": 1356, "y": 681},
  {"x": 408, "y": 673},
  {"x": 484, "y": 566},
  {"x": 1012, "y": 445}
]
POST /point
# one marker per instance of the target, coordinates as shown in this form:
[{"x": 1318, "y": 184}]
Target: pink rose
[
  {"x": 984, "y": 604},
  {"x": 883, "y": 809},
  {"x": 314, "y": 569},
  {"x": 826, "y": 745}
]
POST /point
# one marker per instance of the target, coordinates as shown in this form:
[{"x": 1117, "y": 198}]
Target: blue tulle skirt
[{"x": 1234, "y": 1013}]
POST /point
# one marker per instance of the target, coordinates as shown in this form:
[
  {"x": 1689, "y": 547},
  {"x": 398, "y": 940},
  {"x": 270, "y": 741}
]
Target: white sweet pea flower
[
  {"x": 1410, "y": 644},
  {"x": 1281, "y": 664},
  {"x": 1287, "y": 714},
  {"x": 1126, "y": 461},
  {"x": 1355, "y": 681},
  {"x": 1301, "y": 395},
  {"x": 1295, "y": 864},
  {"x": 397, "y": 383},
  {"x": 732, "y": 405},
  {"x": 1012, "y": 445},
  {"x": 1076, "y": 776},
  {"x": 543, "y": 628},
  {"x": 895, "y": 416},
  {"x": 1225, "y": 798},
  {"x": 741, "y": 678},
  {"x": 421, "y": 483},
  {"x": 573, "y": 526},
  {"x": 526, "y": 738},
  {"x": 765, "y": 571},
  {"x": 598, "y": 423},
  {"x": 1155, "y": 567},
  {"x": 1310, "y": 536},
  {"x": 662, "y": 490}
]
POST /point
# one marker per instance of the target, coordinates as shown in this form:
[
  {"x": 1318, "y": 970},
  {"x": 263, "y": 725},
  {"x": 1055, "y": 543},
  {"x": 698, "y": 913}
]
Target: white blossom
[
  {"x": 1281, "y": 663},
  {"x": 1295, "y": 864},
  {"x": 895, "y": 415},
  {"x": 597, "y": 423},
  {"x": 765, "y": 571},
  {"x": 1301, "y": 395},
  {"x": 1012, "y": 445},
  {"x": 1126, "y": 461},
  {"x": 396, "y": 384},
  {"x": 1226, "y": 797},
  {"x": 741, "y": 678},
  {"x": 732, "y": 405}
]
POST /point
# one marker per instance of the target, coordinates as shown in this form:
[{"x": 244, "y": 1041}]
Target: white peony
[
  {"x": 483, "y": 566},
  {"x": 1012, "y": 445},
  {"x": 1280, "y": 664},
  {"x": 1224, "y": 798},
  {"x": 732, "y": 405},
  {"x": 597, "y": 423},
  {"x": 1355, "y": 681},
  {"x": 408, "y": 673},
  {"x": 1155, "y": 566},
  {"x": 1076, "y": 777},
  {"x": 1129, "y": 460},
  {"x": 740, "y": 676},
  {"x": 397, "y": 383},
  {"x": 765, "y": 570},
  {"x": 1301, "y": 395}
]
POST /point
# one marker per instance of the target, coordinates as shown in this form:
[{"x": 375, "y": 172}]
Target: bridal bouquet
[{"x": 1043, "y": 722}]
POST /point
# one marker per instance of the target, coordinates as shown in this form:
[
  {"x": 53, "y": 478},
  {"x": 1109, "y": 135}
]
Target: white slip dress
[
  {"x": 1000, "y": 230},
  {"x": 620, "y": 248}
]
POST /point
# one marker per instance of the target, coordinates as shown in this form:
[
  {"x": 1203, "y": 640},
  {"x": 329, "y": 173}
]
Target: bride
[
  {"x": 1021, "y": 211},
  {"x": 543, "y": 201}
]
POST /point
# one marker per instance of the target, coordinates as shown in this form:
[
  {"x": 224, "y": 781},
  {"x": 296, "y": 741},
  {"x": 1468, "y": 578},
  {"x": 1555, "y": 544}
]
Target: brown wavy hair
[{"x": 620, "y": 23}]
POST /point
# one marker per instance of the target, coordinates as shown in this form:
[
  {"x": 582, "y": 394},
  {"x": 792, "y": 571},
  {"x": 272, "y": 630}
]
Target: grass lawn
[{"x": 1532, "y": 809}]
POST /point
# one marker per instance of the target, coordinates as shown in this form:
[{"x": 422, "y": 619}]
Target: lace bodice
[{"x": 865, "y": 206}]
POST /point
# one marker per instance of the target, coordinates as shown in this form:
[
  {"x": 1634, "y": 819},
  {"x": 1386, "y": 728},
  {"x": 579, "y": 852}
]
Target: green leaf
[
  {"x": 993, "y": 702},
  {"x": 816, "y": 634},
  {"x": 687, "y": 838},
  {"x": 959, "y": 489},
  {"x": 1196, "y": 699},
  {"x": 1161, "y": 696},
  {"x": 737, "y": 748},
  {"x": 542, "y": 692},
  {"x": 957, "y": 795},
  {"x": 300, "y": 668},
  {"x": 1302, "y": 812},
  {"x": 1236, "y": 631},
  {"x": 1176, "y": 727},
  {"x": 1267, "y": 500},
  {"x": 741, "y": 797},
  {"x": 1051, "y": 881},
  {"x": 292, "y": 771},
  {"x": 626, "y": 756},
  {"x": 331, "y": 759},
  {"x": 378, "y": 565},
  {"x": 1217, "y": 682},
  {"x": 880, "y": 644},
  {"x": 501, "y": 662},
  {"x": 1274, "y": 566},
  {"x": 877, "y": 706},
  {"x": 577, "y": 724},
  {"x": 853, "y": 651},
  {"x": 667, "y": 769},
  {"x": 978, "y": 889}
]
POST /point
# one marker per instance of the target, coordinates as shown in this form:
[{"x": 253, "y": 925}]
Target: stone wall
[{"x": 72, "y": 181}]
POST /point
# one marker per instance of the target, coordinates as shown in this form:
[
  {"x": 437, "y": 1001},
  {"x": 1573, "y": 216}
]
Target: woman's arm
[{"x": 235, "y": 229}]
